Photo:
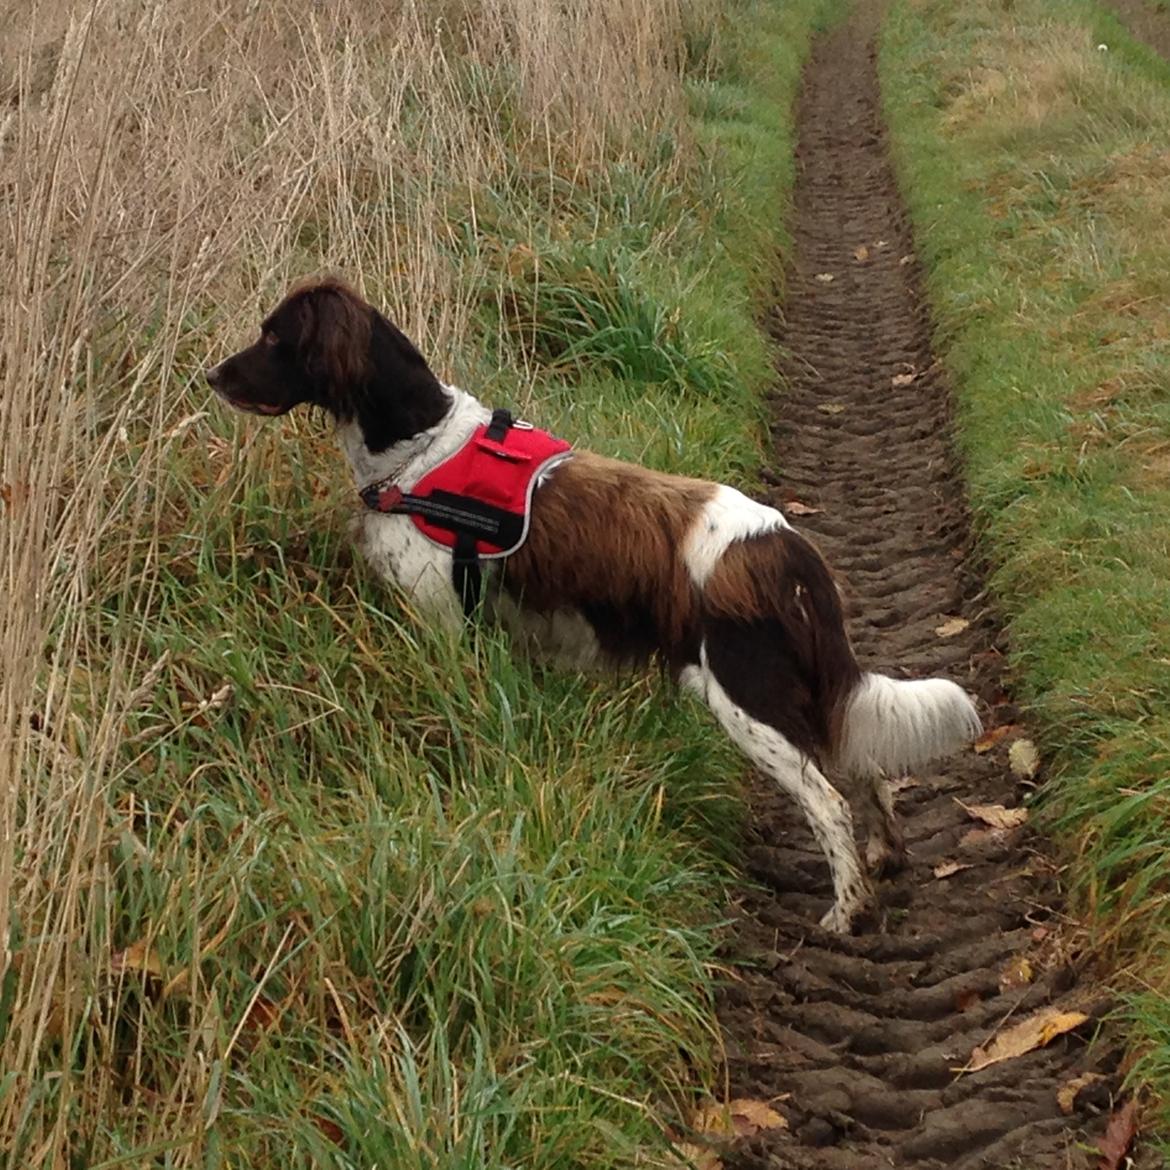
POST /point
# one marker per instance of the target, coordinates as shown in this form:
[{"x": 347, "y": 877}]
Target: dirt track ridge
[{"x": 861, "y": 1038}]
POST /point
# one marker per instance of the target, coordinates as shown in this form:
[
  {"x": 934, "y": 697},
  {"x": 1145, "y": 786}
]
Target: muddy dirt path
[
  {"x": 864, "y": 1035},
  {"x": 1146, "y": 20}
]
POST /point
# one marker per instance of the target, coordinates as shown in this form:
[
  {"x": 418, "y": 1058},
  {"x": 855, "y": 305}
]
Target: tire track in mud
[{"x": 860, "y": 1038}]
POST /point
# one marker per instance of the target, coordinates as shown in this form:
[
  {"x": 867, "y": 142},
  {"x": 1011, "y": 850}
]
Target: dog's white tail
[{"x": 892, "y": 726}]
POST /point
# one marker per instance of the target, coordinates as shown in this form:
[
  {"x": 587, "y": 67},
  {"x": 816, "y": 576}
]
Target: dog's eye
[{"x": 270, "y": 338}]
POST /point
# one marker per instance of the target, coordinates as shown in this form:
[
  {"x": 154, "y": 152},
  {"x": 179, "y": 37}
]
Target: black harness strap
[
  {"x": 470, "y": 520},
  {"x": 498, "y": 427}
]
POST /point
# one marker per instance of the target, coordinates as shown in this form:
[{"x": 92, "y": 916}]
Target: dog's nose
[{"x": 215, "y": 376}]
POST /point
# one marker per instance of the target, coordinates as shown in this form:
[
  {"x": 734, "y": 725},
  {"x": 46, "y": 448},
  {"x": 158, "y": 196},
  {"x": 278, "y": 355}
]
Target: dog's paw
[
  {"x": 848, "y": 917},
  {"x": 839, "y": 919}
]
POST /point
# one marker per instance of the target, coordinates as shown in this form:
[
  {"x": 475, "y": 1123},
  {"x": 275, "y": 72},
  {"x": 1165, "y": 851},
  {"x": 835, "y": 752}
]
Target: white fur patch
[
  {"x": 727, "y": 517},
  {"x": 825, "y": 809},
  {"x": 400, "y": 555},
  {"x": 407, "y": 462},
  {"x": 394, "y": 547},
  {"x": 893, "y": 726}
]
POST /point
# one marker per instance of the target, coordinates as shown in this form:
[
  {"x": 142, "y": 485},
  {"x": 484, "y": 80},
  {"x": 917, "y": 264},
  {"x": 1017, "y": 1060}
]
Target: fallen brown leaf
[
  {"x": 995, "y": 815},
  {"x": 749, "y": 1117},
  {"x": 1118, "y": 1137},
  {"x": 861, "y": 254},
  {"x": 138, "y": 956},
  {"x": 796, "y": 508},
  {"x": 951, "y": 627},
  {"x": 977, "y": 838},
  {"x": 989, "y": 739},
  {"x": 1029, "y": 1034},
  {"x": 739, "y": 1118},
  {"x": 1024, "y": 759},
  {"x": 699, "y": 1157},
  {"x": 330, "y": 1129},
  {"x": 946, "y": 868},
  {"x": 966, "y": 1000},
  {"x": 899, "y": 380},
  {"x": 1066, "y": 1095}
]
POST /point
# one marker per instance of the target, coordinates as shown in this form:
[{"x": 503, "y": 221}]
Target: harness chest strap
[{"x": 478, "y": 501}]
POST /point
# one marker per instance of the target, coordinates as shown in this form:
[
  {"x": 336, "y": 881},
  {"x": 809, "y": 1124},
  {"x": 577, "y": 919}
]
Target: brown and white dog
[{"x": 623, "y": 564}]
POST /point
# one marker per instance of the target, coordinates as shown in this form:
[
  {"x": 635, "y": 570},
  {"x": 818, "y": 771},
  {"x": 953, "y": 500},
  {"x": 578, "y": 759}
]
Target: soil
[
  {"x": 1147, "y": 20},
  {"x": 858, "y": 1041}
]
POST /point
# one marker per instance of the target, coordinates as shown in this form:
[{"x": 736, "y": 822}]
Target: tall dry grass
[{"x": 165, "y": 170}]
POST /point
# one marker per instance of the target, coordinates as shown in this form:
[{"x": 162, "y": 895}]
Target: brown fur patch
[
  {"x": 776, "y": 637},
  {"x": 332, "y": 327},
  {"x": 606, "y": 538}
]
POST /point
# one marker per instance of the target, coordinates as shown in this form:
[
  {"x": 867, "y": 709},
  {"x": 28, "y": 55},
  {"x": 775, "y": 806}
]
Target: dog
[{"x": 620, "y": 564}]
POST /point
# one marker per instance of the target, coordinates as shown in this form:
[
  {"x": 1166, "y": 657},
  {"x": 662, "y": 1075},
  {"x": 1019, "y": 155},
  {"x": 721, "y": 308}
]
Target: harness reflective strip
[{"x": 469, "y": 519}]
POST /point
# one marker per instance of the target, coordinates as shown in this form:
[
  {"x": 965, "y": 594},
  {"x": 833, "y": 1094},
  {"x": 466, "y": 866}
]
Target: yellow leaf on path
[
  {"x": 1018, "y": 973},
  {"x": 796, "y": 508},
  {"x": 951, "y": 627},
  {"x": 1024, "y": 759},
  {"x": 739, "y": 1118},
  {"x": 1029, "y": 1034},
  {"x": 830, "y": 407},
  {"x": 946, "y": 868},
  {"x": 1066, "y": 1095},
  {"x": 995, "y": 815},
  {"x": 989, "y": 739}
]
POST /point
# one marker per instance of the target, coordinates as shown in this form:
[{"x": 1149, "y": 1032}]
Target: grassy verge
[
  {"x": 286, "y": 879},
  {"x": 1031, "y": 142}
]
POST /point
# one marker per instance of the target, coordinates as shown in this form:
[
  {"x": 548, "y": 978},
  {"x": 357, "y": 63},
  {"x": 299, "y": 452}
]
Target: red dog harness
[{"x": 477, "y": 502}]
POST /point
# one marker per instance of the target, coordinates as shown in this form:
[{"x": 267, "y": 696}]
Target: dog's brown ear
[{"x": 333, "y": 341}]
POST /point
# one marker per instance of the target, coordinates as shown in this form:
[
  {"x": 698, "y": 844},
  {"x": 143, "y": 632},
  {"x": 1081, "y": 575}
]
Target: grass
[
  {"x": 1030, "y": 140},
  {"x": 285, "y": 877}
]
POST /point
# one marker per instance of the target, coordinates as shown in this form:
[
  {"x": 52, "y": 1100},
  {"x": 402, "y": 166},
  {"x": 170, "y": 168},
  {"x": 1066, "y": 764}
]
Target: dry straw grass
[{"x": 165, "y": 170}]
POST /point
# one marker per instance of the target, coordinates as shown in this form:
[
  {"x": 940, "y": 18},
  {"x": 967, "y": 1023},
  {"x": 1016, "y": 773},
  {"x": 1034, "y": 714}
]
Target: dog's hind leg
[{"x": 825, "y": 809}]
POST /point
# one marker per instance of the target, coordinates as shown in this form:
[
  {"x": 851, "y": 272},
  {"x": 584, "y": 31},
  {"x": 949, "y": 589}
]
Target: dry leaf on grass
[
  {"x": 989, "y": 739},
  {"x": 796, "y": 508},
  {"x": 900, "y": 380},
  {"x": 739, "y": 1118},
  {"x": 138, "y": 956},
  {"x": 995, "y": 815},
  {"x": 1029, "y": 1034},
  {"x": 946, "y": 868},
  {"x": 825, "y": 277},
  {"x": 698, "y": 1156},
  {"x": 951, "y": 627},
  {"x": 1066, "y": 1095},
  {"x": 1024, "y": 759},
  {"x": 1119, "y": 1135}
]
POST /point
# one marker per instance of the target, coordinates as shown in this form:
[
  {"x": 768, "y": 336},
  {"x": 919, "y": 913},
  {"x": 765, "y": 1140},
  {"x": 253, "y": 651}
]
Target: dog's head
[{"x": 325, "y": 346}]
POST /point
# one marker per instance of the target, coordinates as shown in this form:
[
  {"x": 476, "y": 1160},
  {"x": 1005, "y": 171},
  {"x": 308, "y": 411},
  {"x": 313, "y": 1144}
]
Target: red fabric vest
[{"x": 496, "y": 476}]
